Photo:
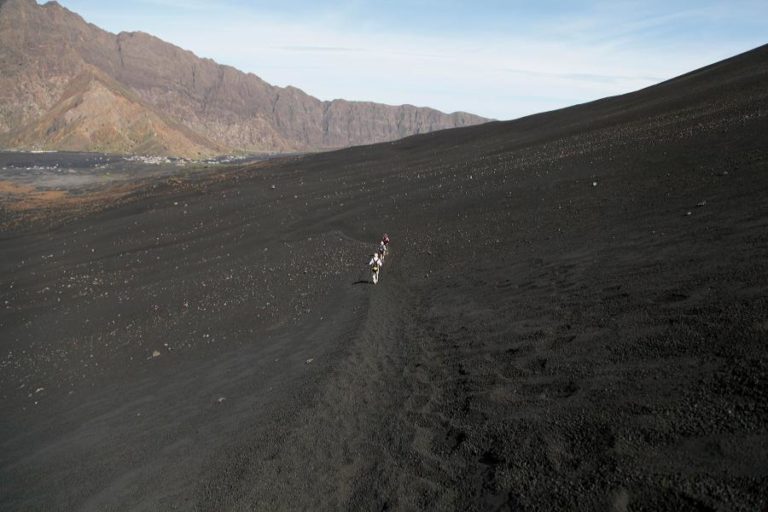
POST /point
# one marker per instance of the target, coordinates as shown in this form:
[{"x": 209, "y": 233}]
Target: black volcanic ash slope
[{"x": 573, "y": 316}]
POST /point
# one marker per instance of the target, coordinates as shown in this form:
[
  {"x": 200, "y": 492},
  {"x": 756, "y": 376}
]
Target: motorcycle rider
[{"x": 376, "y": 263}]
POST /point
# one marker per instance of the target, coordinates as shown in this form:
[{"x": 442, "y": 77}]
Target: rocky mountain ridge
[{"x": 69, "y": 85}]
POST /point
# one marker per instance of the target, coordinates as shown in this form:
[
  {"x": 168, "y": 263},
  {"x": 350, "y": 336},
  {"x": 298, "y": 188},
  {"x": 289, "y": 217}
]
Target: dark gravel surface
[{"x": 573, "y": 316}]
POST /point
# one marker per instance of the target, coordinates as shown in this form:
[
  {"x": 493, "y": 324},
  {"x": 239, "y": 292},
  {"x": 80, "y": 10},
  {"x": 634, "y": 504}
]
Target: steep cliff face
[{"x": 194, "y": 106}]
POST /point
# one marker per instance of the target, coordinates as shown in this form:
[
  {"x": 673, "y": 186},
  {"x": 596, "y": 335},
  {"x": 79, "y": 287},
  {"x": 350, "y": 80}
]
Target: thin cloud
[
  {"x": 586, "y": 76},
  {"x": 318, "y": 49},
  {"x": 184, "y": 5}
]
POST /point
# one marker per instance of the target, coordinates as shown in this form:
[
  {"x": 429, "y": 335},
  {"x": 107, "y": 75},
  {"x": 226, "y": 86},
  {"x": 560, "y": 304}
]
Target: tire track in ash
[
  {"x": 344, "y": 447},
  {"x": 381, "y": 439}
]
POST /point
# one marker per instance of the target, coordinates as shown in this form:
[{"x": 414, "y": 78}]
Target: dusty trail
[{"x": 329, "y": 456}]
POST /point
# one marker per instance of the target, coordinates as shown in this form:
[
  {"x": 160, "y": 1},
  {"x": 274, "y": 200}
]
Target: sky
[{"x": 499, "y": 59}]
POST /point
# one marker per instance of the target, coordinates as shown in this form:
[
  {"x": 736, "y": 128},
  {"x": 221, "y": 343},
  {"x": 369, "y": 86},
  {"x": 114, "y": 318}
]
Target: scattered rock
[
  {"x": 156, "y": 353},
  {"x": 308, "y": 361}
]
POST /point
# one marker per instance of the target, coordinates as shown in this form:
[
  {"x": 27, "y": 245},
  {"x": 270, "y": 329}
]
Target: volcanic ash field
[{"x": 573, "y": 316}]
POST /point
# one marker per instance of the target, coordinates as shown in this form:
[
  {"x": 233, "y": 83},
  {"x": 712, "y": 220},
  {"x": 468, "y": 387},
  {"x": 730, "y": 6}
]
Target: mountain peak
[
  {"x": 30, "y": 4},
  {"x": 49, "y": 47}
]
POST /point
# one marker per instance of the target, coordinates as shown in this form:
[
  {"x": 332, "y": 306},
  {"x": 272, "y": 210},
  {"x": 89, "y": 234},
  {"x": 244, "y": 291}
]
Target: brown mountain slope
[
  {"x": 96, "y": 113},
  {"x": 44, "y": 48}
]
